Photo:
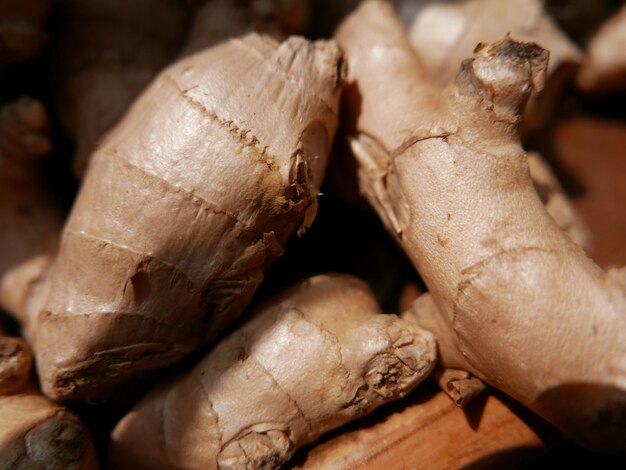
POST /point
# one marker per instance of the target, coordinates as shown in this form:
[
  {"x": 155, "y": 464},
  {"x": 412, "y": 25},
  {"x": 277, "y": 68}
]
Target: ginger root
[
  {"x": 312, "y": 359},
  {"x": 21, "y": 29},
  {"x": 34, "y": 433},
  {"x": 186, "y": 202},
  {"x": 522, "y": 307},
  {"x": 604, "y": 66}
]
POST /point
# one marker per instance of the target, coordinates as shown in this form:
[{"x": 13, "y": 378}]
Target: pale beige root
[
  {"x": 556, "y": 202},
  {"x": 220, "y": 20},
  {"x": 186, "y": 202},
  {"x": 604, "y": 66},
  {"x": 527, "y": 310},
  {"x": 30, "y": 222},
  {"x": 22, "y": 31},
  {"x": 315, "y": 357},
  {"x": 444, "y": 34},
  {"x": 106, "y": 53},
  {"x": 35, "y": 433}
]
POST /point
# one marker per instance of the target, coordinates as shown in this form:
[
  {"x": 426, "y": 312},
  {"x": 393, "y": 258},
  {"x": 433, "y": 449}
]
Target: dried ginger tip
[
  {"x": 312, "y": 359},
  {"x": 186, "y": 203}
]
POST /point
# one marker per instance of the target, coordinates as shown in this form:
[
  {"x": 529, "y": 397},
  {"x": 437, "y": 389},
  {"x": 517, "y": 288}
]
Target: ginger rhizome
[
  {"x": 604, "y": 67},
  {"x": 21, "y": 29},
  {"x": 520, "y": 305},
  {"x": 186, "y": 202},
  {"x": 308, "y": 361},
  {"x": 34, "y": 433}
]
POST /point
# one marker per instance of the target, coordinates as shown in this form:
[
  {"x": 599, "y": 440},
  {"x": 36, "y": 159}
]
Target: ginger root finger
[
  {"x": 527, "y": 311},
  {"x": 186, "y": 202},
  {"x": 308, "y": 361},
  {"x": 21, "y": 29}
]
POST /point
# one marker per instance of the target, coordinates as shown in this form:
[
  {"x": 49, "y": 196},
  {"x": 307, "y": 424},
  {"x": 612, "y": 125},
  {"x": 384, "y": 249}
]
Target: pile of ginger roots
[{"x": 157, "y": 156}]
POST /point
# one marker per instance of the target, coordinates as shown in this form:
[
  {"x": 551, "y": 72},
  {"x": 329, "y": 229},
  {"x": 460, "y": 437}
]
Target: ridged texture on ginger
[
  {"x": 526, "y": 310},
  {"x": 308, "y": 361},
  {"x": 187, "y": 201}
]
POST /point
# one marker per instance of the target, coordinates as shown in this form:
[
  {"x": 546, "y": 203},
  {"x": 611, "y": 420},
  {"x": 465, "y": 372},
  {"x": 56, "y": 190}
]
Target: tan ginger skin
[
  {"x": 34, "y": 433},
  {"x": 317, "y": 356},
  {"x": 186, "y": 202},
  {"x": 521, "y": 305},
  {"x": 604, "y": 67}
]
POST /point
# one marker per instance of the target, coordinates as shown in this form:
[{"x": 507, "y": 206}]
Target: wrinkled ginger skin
[
  {"x": 604, "y": 67},
  {"x": 308, "y": 361},
  {"x": 186, "y": 202},
  {"x": 526, "y": 310}
]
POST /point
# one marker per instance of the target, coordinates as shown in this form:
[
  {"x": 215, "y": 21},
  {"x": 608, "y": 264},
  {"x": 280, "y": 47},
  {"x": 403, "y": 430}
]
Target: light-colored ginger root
[
  {"x": 30, "y": 222},
  {"x": 106, "y": 52},
  {"x": 35, "y": 433},
  {"x": 525, "y": 309},
  {"x": 604, "y": 66},
  {"x": 444, "y": 34},
  {"x": 186, "y": 202},
  {"x": 21, "y": 29},
  {"x": 314, "y": 358}
]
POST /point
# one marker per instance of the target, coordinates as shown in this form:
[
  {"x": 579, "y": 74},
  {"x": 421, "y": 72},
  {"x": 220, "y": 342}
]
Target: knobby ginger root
[
  {"x": 524, "y": 308},
  {"x": 34, "y": 433},
  {"x": 604, "y": 67},
  {"x": 312, "y": 359},
  {"x": 186, "y": 202},
  {"x": 444, "y": 34},
  {"x": 30, "y": 222}
]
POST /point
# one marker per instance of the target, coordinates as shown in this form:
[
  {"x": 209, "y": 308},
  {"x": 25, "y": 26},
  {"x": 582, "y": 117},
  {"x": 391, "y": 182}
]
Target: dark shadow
[{"x": 474, "y": 411}]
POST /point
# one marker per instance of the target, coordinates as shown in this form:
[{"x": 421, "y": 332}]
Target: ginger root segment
[
  {"x": 604, "y": 66},
  {"x": 30, "y": 223},
  {"x": 444, "y": 34},
  {"x": 314, "y": 358},
  {"x": 34, "y": 433},
  {"x": 525, "y": 309},
  {"x": 21, "y": 29},
  {"x": 186, "y": 203}
]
